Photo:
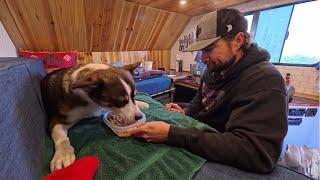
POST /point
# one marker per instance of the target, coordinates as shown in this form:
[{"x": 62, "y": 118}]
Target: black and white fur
[{"x": 71, "y": 95}]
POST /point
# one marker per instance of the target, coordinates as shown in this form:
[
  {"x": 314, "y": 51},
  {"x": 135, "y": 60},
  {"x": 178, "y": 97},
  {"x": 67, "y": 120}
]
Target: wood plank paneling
[
  {"x": 215, "y": 6},
  {"x": 129, "y": 28},
  {"x": 162, "y": 20},
  {"x": 263, "y": 4},
  {"x": 107, "y": 25},
  {"x": 159, "y": 58},
  {"x": 136, "y": 27},
  {"x": 85, "y": 25},
  {"x": 94, "y": 17},
  {"x": 151, "y": 17},
  {"x": 125, "y": 17},
  {"x": 12, "y": 29},
  {"x": 192, "y": 7},
  {"x": 171, "y": 30},
  {"x": 44, "y": 26},
  {"x": 115, "y": 23},
  {"x": 22, "y": 22},
  {"x": 198, "y": 7},
  {"x": 69, "y": 24},
  {"x": 152, "y": 30},
  {"x": 85, "y": 58}
]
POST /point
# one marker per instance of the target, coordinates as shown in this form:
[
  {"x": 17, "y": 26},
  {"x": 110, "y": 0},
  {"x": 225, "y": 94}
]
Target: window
[
  {"x": 289, "y": 33},
  {"x": 302, "y": 45},
  {"x": 249, "y": 19},
  {"x": 271, "y": 30}
]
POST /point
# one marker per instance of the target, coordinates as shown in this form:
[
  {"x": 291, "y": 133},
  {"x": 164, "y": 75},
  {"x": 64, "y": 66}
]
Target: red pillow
[{"x": 53, "y": 59}]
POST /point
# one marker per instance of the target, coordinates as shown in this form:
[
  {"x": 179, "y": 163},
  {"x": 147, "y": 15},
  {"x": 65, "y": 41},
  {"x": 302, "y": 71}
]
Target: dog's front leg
[
  {"x": 64, "y": 152},
  {"x": 142, "y": 105}
]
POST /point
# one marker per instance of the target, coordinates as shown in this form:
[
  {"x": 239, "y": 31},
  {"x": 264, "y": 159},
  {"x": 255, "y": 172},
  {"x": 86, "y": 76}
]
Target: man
[{"x": 241, "y": 95}]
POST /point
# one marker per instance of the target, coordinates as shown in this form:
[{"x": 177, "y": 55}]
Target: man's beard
[{"x": 213, "y": 66}]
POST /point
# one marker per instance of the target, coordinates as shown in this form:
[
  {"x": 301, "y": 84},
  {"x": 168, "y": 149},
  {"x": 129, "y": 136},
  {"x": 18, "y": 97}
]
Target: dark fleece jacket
[{"x": 248, "y": 106}]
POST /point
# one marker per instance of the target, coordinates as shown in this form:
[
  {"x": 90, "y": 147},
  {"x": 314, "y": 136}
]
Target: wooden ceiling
[
  {"x": 89, "y": 25},
  {"x": 107, "y": 25},
  {"x": 192, "y": 7}
]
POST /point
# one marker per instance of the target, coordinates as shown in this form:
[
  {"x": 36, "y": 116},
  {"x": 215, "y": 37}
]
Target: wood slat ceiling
[
  {"x": 89, "y": 25},
  {"x": 192, "y": 7},
  {"x": 108, "y": 25}
]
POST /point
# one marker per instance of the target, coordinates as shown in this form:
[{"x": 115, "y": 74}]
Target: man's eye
[{"x": 206, "y": 51}]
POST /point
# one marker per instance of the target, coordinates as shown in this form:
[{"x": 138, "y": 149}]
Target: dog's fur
[{"x": 70, "y": 95}]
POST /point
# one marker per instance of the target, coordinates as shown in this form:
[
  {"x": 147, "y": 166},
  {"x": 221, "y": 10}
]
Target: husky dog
[{"x": 70, "y": 95}]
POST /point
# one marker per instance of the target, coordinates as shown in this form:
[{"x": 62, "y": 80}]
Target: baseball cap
[{"x": 217, "y": 24}]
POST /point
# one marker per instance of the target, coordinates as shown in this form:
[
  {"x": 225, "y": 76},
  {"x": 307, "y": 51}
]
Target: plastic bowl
[{"x": 121, "y": 130}]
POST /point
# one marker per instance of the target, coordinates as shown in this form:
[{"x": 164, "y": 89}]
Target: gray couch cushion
[
  {"x": 212, "y": 170},
  {"x": 22, "y": 118}
]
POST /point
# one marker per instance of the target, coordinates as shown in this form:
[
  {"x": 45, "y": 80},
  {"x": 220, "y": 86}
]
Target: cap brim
[{"x": 198, "y": 45}]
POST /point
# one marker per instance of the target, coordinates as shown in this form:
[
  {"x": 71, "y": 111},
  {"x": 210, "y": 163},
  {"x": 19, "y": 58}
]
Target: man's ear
[
  {"x": 131, "y": 67},
  {"x": 239, "y": 40},
  {"x": 87, "y": 83}
]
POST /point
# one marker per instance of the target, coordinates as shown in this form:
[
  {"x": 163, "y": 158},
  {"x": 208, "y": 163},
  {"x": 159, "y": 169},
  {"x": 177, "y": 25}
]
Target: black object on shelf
[
  {"x": 311, "y": 112},
  {"x": 296, "y": 111},
  {"x": 179, "y": 64},
  {"x": 184, "y": 94},
  {"x": 294, "y": 121}
]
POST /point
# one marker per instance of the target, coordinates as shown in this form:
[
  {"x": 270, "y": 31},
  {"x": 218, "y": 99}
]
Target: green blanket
[{"x": 132, "y": 158}]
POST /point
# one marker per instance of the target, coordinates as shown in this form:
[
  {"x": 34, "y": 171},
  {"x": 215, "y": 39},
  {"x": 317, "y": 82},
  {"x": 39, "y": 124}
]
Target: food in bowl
[
  {"x": 117, "y": 120},
  {"x": 119, "y": 126}
]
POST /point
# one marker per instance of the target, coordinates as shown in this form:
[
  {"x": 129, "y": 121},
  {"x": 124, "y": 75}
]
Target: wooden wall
[
  {"x": 200, "y": 7},
  {"x": 89, "y": 25},
  {"x": 263, "y": 4},
  {"x": 192, "y": 7},
  {"x": 159, "y": 58}
]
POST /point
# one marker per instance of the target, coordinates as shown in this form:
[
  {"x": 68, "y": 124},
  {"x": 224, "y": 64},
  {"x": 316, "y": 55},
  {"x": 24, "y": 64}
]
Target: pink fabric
[{"x": 53, "y": 59}]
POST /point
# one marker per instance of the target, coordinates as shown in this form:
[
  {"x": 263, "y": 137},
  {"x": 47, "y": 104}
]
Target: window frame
[{"x": 254, "y": 25}]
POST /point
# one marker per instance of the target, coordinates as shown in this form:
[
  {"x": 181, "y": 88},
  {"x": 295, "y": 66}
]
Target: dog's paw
[
  {"x": 63, "y": 157},
  {"x": 142, "y": 105}
]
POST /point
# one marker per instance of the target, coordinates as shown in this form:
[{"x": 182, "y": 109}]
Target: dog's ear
[
  {"x": 131, "y": 67},
  {"x": 87, "y": 83}
]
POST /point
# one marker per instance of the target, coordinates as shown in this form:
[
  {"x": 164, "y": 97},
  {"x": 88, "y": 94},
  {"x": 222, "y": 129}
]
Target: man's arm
[
  {"x": 253, "y": 136},
  {"x": 195, "y": 105}
]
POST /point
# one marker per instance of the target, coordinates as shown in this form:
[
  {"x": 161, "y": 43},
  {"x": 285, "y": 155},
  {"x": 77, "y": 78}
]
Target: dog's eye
[
  {"x": 120, "y": 104},
  {"x": 121, "y": 101}
]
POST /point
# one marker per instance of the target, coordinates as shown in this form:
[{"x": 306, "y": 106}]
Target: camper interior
[{"x": 39, "y": 38}]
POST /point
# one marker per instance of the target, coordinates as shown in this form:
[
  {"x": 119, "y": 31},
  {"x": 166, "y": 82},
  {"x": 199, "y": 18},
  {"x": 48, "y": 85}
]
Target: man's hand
[
  {"x": 174, "y": 107},
  {"x": 155, "y": 131}
]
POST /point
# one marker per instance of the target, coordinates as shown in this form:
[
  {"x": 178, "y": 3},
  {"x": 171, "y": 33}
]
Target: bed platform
[{"x": 159, "y": 88}]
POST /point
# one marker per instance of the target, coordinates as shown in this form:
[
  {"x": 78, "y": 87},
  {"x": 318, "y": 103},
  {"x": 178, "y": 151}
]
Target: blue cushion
[{"x": 22, "y": 118}]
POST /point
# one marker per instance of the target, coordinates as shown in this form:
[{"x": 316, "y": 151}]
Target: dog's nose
[{"x": 138, "y": 117}]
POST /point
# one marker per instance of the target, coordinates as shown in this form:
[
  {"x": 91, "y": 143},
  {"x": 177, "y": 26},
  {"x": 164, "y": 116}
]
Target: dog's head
[{"x": 113, "y": 89}]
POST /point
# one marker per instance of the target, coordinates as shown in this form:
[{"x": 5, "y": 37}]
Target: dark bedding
[{"x": 154, "y": 85}]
